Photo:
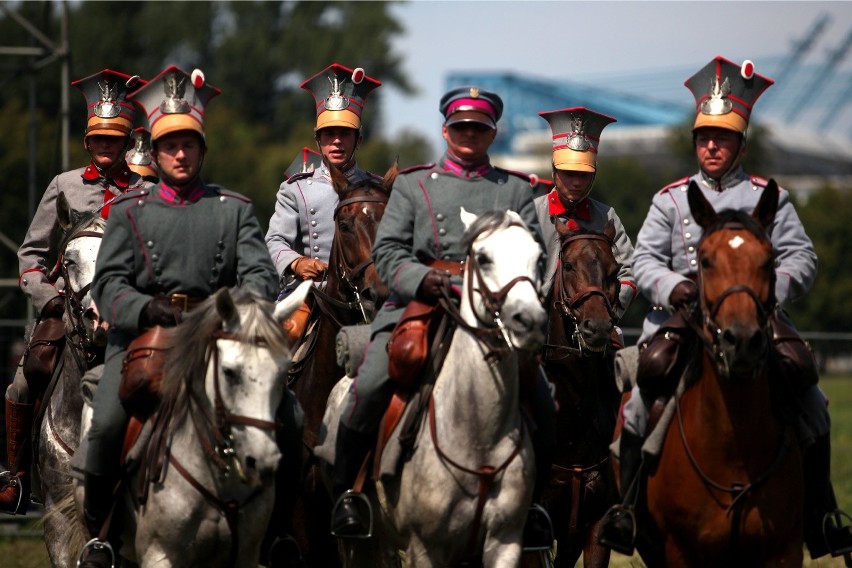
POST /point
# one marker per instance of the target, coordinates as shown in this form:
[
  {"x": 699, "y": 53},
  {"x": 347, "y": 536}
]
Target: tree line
[{"x": 258, "y": 53}]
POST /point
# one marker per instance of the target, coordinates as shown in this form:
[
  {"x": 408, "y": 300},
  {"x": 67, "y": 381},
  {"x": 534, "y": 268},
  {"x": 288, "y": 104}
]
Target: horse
[
  {"x": 57, "y": 427},
  {"x": 352, "y": 294},
  {"x": 465, "y": 489},
  {"x": 209, "y": 503},
  {"x": 728, "y": 488},
  {"x": 578, "y": 361}
]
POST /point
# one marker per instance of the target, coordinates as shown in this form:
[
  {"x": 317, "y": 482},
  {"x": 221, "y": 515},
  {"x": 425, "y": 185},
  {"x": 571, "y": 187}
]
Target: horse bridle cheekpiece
[{"x": 74, "y": 301}]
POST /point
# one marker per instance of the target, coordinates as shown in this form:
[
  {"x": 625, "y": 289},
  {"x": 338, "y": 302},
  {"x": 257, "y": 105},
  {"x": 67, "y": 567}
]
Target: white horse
[
  {"x": 467, "y": 487},
  {"x": 225, "y": 377},
  {"x": 58, "y": 432}
]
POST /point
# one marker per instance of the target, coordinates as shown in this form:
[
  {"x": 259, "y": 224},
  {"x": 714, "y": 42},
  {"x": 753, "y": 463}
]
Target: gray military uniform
[
  {"x": 599, "y": 214},
  {"x": 156, "y": 242},
  {"x": 667, "y": 246},
  {"x": 86, "y": 191},
  {"x": 422, "y": 223},
  {"x": 303, "y": 222}
]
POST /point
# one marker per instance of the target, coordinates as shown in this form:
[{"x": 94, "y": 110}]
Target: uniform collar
[
  {"x": 349, "y": 169},
  {"x": 120, "y": 175},
  {"x": 730, "y": 179},
  {"x": 557, "y": 208},
  {"x": 465, "y": 169},
  {"x": 182, "y": 195}
]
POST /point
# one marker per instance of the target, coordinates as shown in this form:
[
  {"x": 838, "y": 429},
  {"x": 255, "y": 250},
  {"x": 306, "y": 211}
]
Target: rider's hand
[
  {"x": 308, "y": 268},
  {"x": 160, "y": 311},
  {"x": 54, "y": 308},
  {"x": 683, "y": 294},
  {"x": 432, "y": 284}
]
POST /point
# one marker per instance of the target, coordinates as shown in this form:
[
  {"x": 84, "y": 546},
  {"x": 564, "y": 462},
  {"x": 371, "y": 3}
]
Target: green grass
[{"x": 30, "y": 552}]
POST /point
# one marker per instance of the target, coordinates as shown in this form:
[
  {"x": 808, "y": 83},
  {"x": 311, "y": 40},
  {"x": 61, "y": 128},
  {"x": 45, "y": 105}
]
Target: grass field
[{"x": 30, "y": 552}]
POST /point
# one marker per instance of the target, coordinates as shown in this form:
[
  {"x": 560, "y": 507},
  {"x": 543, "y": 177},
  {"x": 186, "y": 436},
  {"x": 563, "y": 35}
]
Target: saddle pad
[
  {"x": 324, "y": 449},
  {"x": 351, "y": 345}
]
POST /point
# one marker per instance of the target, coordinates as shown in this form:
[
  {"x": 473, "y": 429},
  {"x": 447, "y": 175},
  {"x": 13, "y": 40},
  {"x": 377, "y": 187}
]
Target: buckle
[{"x": 180, "y": 300}]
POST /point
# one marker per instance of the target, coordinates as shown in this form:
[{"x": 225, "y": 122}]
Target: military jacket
[
  {"x": 667, "y": 245},
  {"x": 591, "y": 215},
  {"x": 303, "y": 222},
  {"x": 159, "y": 242},
  {"x": 86, "y": 190},
  {"x": 422, "y": 219}
]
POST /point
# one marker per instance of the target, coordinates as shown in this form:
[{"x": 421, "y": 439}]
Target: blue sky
[{"x": 585, "y": 41}]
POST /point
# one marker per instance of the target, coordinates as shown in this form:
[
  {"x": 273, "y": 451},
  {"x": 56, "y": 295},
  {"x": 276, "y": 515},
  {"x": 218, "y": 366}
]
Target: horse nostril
[
  {"x": 369, "y": 294},
  {"x": 523, "y": 321}
]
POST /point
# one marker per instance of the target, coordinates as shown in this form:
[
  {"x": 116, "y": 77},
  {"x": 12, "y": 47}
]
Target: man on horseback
[
  {"x": 165, "y": 249},
  {"x": 576, "y": 134},
  {"x": 92, "y": 188},
  {"x": 302, "y": 228},
  {"x": 665, "y": 263},
  {"x": 418, "y": 253}
]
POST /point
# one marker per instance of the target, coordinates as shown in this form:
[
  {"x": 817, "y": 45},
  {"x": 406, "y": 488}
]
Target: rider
[
  {"x": 302, "y": 227},
  {"x": 92, "y": 188},
  {"x": 421, "y": 227},
  {"x": 165, "y": 249},
  {"x": 665, "y": 265},
  {"x": 576, "y": 134},
  {"x": 139, "y": 157}
]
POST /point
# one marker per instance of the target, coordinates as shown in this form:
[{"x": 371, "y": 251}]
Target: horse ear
[
  {"x": 285, "y": 308},
  {"x": 339, "y": 181},
  {"x": 702, "y": 210},
  {"x": 225, "y": 307},
  {"x": 467, "y": 218},
  {"x": 767, "y": 205},
  {"x": 561, "y": 227},
  {"x": 390, "y": 176},
  {"x": 609, "y": 230},
  {"x": 63, "y": 212}
]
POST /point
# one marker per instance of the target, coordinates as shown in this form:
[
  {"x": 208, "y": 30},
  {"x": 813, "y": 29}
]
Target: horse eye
[
  {"x": 567, "y": 266},
  {"x": 345, "y": 226},
  {"x": 483, "y": 259},
  {"x": 705, "y": 263}
]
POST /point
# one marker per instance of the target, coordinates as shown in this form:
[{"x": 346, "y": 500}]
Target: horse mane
[
  {"x": 185, "y": 360},
  {"x": 81, "y": 221},
  {"x": 487, "y": 223}
]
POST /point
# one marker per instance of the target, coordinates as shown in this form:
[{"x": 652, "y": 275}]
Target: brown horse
[
  {"x": 728, "y": 488},
  {"x": 352, "y": 295},
  {"x": 578, "y": 360}
]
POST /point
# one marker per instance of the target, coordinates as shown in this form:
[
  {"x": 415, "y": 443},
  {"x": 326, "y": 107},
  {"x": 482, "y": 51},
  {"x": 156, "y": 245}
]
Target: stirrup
[
  {"x": 612, "y": 515},
  {"x": 96, "y": 544},
  {"x": 837, "y": 516},
  {"x": 9, "y": 480},
  {"x": 362, "y": 503},
  {"x": 539, "y": 514},
  {"x": 285, "y": 545}
]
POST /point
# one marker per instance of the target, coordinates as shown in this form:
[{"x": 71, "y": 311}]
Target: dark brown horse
[
  {"x": 578, "y": 360},
  {"x": 728, "y": 488},
  {"x": 352, "y": 295}
]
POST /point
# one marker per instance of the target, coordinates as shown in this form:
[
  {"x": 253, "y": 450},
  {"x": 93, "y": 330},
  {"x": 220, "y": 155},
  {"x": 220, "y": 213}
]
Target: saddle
[
  {"x": 43, "y": 352},
  {"x": 142, "y": 373},
  {"x": 663, "y": 359},
  {"x": 408, "y": 346}
]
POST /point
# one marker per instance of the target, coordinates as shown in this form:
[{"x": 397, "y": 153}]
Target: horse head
[
  {"x": 503, "y": 279},
  {"x": 78, "y": 252},
  {"x": 736, "y": 279},
  {"x": 586, "y": 287},
  {"x": 352, "y": 273}
]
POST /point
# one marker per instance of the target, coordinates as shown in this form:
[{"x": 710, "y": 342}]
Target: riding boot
[
  {"x": 824, "y": 531},
  {"x": 98, "y": 505},
  {"x": 538, "y": 530},
  {"x": 15, "y": 494},
  {"x": 618, "y": 531},
  {"x": 351, "y": 449}
]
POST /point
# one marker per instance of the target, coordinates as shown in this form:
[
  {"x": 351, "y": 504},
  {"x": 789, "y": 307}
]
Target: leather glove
[
  {"x": 308, "y": 268},
  {"x": 684, "y": 293},
  {"x": 160, "y": 311},
  {"x": 54, "y": 308},
  {"x": 432, "y": 284}
]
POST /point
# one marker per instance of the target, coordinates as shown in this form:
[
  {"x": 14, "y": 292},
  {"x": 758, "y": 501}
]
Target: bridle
[
  {"x": 567, "y": 304},
  {"x": 214, "y": 434},
  {"x": 349, "y": 275},
  {"x": 78, "y": 336}
]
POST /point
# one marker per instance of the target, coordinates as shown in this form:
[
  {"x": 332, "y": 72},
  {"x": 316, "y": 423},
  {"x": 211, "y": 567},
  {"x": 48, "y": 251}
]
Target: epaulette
[
  {"x": 682, "y": 181},
  {"x": 418, "y": 167},
  {"x": 535, "y": 180},
  {"x": 524, "y": 176},
  {"x": 229, "y": 193},
  {"x": 298, "y": 176},
  {"x": 759, "y": 181},
  {"x": 131, "y": 194}
]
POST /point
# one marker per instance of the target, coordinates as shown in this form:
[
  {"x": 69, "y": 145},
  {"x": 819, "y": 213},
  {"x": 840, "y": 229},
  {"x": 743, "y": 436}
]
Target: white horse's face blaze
[{"x": 502, "y": 257}]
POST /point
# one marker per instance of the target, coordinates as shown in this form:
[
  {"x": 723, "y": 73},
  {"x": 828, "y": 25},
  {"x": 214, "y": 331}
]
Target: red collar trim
[
  {"x": 557, "y": 208},
  {"x": 119, "y": 178},
  {"x": 180, "y": 196}
]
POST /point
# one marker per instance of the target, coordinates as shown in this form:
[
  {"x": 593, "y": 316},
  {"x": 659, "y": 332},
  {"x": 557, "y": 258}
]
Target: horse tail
[{"x": 65, "y": 510}]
